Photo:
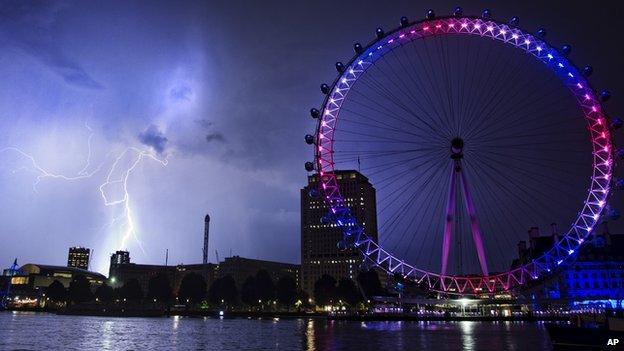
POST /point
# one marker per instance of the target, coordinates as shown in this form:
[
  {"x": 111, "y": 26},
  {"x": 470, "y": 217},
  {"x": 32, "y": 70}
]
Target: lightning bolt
[
  {"x": 127, "y": 216},
  {"x": 42, "y": 173},
  {"x": 123, "y": 171}
]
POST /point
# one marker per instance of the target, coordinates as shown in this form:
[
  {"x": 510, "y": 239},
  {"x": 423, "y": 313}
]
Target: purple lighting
[{"x": 568, "y": 243}]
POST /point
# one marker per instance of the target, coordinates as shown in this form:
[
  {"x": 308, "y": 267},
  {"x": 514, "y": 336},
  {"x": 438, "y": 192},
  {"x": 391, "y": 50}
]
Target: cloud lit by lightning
[{"x": 114, "y": 189}]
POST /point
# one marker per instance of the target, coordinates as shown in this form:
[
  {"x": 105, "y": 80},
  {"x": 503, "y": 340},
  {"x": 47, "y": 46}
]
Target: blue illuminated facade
[{"x": 595, "y": 278}]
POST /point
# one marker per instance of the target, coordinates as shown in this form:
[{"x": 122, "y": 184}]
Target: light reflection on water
[{"x": 35, "y": 331}]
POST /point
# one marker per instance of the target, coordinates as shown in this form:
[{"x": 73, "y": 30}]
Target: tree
[
  {"x": 223, "y": 289},
  {"x": 265, "y": 286},
  {"x": 325, "y": 290},
  {"x": 192, "y": 288},
  {"x": 159, "y": 288},
  {"x": 348, "y": 292},
  {"x": 370, "y": 284},
  {"x": 286, "y": 290},
  {"x": 249, "y": 294},
  {"x": 131, "y": 290},
  {"x": 80, "y": 289},
  {"x": 105, "y": 293},
  {"x": 56, "y": 291}
]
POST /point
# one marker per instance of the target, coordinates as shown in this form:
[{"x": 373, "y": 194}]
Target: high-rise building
[
  {"x": 120, "y": 257},
  {"x": 78, "y": 257},
  {"x": 319, "y": 251}
]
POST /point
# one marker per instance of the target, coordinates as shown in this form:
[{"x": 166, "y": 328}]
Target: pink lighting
[{"x": 587, "y": 217}]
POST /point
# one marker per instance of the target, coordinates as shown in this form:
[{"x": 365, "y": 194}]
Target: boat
[{"x": 589, "y": 336}]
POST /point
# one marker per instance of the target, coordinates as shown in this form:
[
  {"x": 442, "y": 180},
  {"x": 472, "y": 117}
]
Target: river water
[{"x": 40, "y": 331}]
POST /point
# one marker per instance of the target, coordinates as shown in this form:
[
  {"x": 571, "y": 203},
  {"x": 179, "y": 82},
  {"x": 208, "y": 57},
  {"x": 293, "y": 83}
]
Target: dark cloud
[
  {"x": 26, "y": 25},
  {"x": 216, "y": 137},
  {"x": 154, "y": 138}
]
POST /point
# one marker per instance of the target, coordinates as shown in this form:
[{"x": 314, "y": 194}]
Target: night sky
[{"x": 206, "y": 104}]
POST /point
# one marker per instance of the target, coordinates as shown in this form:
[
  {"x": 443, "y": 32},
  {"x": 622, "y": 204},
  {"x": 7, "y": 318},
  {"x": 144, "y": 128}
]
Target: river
[{"x": 40, "y": 331}]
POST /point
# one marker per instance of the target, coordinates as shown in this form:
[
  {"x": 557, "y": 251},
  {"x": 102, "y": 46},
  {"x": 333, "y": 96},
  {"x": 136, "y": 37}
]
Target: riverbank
[{"x": 130, "y": 312}]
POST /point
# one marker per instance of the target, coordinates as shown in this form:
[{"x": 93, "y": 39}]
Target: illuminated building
[
  {"x": 593, "y": 277},
  {"x": 31, "y": 280},
  {"x": 78, "y": 257},
  {"x": 319, "y": 252}
]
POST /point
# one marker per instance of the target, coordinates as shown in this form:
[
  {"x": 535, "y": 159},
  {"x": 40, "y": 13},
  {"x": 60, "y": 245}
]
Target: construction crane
[{"x": 4, "y": 297}]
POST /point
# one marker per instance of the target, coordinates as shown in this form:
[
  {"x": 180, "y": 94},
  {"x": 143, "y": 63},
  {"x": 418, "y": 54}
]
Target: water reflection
[{"x": 313, "y": 334}]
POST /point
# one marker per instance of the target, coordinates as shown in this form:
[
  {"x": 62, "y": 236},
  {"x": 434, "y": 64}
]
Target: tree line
[{"x": 258, "y": 291}]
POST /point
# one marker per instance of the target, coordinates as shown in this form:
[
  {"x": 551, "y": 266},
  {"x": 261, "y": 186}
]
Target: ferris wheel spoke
[
  {"x": 389, "y": 166},
  {"x": 435, "y": 129},
  {"x": 531, "y": 160},
  {"x": 405, "y": 88},
  {"x": 509, "y": 190},
  {"x": 546, "y": 176},
  {"x": 476, "y": 88},
  {"x": 395, "y": 101},
  {"x": 431, "y": 86},
  {"x": 420, "y": 86},
  {"x": 502, "y": 133},
  {"x": 414, "y": 195},
  {"x": 421, "y": 136},
  {"x": 425, "y": 210},
  {"x": 494, "y": 216},
  {"x": 528, "y": 190},
  {"x": 355, "y": 156},
  {"x": 390, "y": 180},
  {"x": 488, "y": 91},
  {"x": 535, "y": 109}
]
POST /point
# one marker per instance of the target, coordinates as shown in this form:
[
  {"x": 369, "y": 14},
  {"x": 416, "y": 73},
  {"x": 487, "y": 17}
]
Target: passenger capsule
[
  {"x": 605, "y": 95},
  {"x": 619, "y": 183},
  {"x": 379, "y": 33},
  {"x": 616, "y": 123},
  {"x": 588, "y": 70},
  {"x": 324, "y": 88},
  {"x": 566, "y": 49},
  {"x": 340, "y": 67},
  {"x": 514, "y": 21},
  {"x": 309, "y": 166},
  {"x": 357, "y": 47},
  {"x": 309, "y": 139},
  {"x": 486, "y": 13},
  {"x": 619, "y": 152},
  {"x": 404, "y": 22},
  {"x": 430, "y": 14},
  {"x": 541, "y": 32},
  {"x": 314, "y": 112},
  {"x": 458, "y": 12}
]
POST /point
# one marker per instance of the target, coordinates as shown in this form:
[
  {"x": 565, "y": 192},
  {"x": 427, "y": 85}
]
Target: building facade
[
  {"x": 319, "y": 251},
  {"x": 79, "y": 257},
  {"x": 240, "y": 268},
  {"x": 32, "y": 280},
  {"x": 237, "y": 267},
  {"x": 594, "y": 277}
]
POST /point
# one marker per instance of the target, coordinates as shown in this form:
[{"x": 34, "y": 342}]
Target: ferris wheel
[{"x": 471, "y": 131}]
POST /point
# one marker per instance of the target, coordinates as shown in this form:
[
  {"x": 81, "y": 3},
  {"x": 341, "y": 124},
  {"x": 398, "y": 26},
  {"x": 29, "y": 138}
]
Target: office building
[
  {"x": 78, "y": 257},
  {"x": 319, "y": 252}
]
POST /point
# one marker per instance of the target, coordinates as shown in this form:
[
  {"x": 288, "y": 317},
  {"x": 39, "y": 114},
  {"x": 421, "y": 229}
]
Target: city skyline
[{"x": 183, "y": 85}]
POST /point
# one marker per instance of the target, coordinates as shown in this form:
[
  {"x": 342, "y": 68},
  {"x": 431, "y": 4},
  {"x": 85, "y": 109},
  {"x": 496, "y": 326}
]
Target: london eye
[{"x": 472, "y": 131}]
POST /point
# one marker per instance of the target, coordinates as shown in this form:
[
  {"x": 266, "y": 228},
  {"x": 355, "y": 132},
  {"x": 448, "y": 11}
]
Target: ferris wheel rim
[{"x": 571, "y": 78}]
